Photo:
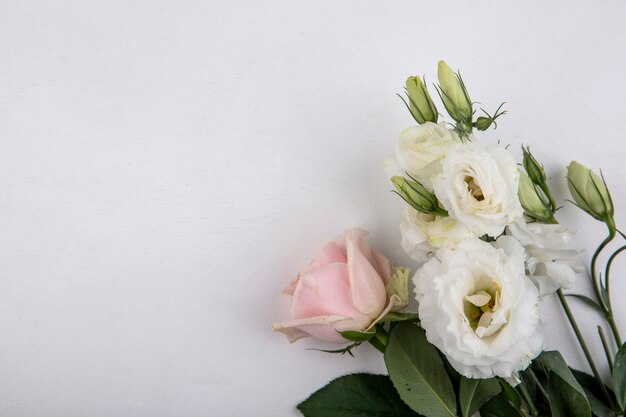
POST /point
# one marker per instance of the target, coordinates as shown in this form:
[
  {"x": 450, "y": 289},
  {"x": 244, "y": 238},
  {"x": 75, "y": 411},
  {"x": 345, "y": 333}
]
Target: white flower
[
  {"x": 423, "y": 234},
  {"x": 477, "y": 306},
  {"x": 478, "y": 187},
  {"x": 421, "y": 147},
  {"x": 547, "y": 250}
]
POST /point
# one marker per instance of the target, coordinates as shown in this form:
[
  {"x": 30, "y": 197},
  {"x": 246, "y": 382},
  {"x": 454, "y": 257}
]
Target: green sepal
[
  {"x": 396, "y": 316},
  {"x": 356, "y": 336}
]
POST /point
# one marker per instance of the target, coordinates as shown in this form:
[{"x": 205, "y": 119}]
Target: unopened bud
[
  {"x": 533, "y": 168},
  {"x": 420, "y": 103},
  {"x": 590, "y": 193},
  {"x": 417, "y": 196},
  {"x": 533, "y": 202},
  {"x": 454, "y": 94}
]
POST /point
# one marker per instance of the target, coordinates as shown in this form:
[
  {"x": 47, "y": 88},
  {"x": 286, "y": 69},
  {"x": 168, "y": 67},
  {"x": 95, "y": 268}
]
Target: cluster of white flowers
[{"x": 485, "y": 265}]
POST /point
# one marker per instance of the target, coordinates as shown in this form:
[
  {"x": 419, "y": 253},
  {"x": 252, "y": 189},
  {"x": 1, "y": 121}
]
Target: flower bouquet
[{"x": 484, "y": 232}]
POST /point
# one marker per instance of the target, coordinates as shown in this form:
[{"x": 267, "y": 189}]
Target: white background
[{"x": 167, "y": 167}]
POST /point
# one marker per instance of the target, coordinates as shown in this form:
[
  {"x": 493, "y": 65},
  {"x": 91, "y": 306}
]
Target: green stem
[
  {"x": 607, "y": 282},
  {"x": 376, "y": 343},
  {"x": 524, "y": 393},
  {"x": 380, "y": 339},
  {"x": 605, "y": 345},
  {"x": 594, "y": 276},
  {"x": 541, "y": 389},
  {"x": 614, "y": 330},
  {"x": 582, "y": 343}
]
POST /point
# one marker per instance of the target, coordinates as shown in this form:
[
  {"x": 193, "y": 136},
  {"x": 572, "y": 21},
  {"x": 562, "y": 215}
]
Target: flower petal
[
  {"x": 368, "y": 289},
  {"x": 327, "y": 291},
  {"x": 322, "y": 327}
]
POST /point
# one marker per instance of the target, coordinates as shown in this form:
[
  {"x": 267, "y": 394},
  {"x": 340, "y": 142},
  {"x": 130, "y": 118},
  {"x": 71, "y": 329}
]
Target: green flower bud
[
  {"x": 590, "y": 193},
  {"x": 533, "y": 168},
  {"x": 417, "y": 196},
  {"x": 454, "y": 94},
  {"x": 483, "y": 123},
  {"x": 420, "y": 104},
  {"x": 533, "y": 202}
]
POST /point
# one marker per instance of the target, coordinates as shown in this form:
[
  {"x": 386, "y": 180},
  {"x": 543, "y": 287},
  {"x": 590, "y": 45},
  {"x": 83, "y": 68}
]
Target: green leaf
[
  {"x": 598, "y": 408},
  {"x": 418, "y": 373},
  {"x": 511, "y": 394},
  {"x": 587, "y": 301},
  {"x": 356, "y": 336},
  {"x": 473, "y": 393},
  {"x": 357, "y": 395},
  {"x": 594, "y": 394},
  {"x": 588, "y": 382},
  {"x": 499, "y": 406},
  {"x": 399, "y": 316},
  {"x": 619, "y": 376},
  {"x": 567, "y": 397}
]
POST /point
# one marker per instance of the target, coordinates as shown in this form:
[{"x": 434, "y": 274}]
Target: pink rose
[{"x": 344, "y": 288}]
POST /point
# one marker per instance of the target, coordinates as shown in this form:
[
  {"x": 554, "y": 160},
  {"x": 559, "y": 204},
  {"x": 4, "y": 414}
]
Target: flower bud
[
  {"x": 590, "y": 193},
  {"x": 344, "y": 292},
  {"x": 420, "y": 104},
  {"x": 533, "y": 168},
  {"x": 483, "y": 123},
  {"x": 454, "y": 94},
  {"x": 417, "y": 196},
  {"x": 533, "y": 202}
]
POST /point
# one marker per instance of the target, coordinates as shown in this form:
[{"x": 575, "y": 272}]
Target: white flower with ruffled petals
[
  {"x": 478, "y": 187},
  {"x": 479, "y": 308}
]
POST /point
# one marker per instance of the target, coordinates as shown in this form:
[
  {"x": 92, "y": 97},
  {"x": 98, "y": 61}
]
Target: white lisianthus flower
[
  {"x": 421, "y": 147},
  {"x": 423, "y": 234},
  {"x": 478, "y": 307},
  {"x": 478, "y": 187},
  {"x": 547, "y": 253}
]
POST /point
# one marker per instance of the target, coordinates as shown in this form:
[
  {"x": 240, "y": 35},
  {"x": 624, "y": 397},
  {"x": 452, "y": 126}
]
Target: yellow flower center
[
  {"x": 480, "y": 308},
  {"x": 474, "y": 189}
]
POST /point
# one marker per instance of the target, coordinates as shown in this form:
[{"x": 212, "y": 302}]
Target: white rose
[
  {"x": 421, "y": 147},
  {"x": 547, "y": 251},
  {"x": 477, "y": 306},
  {"x": 423, "y": 234},
  {"x": 478, "y": 187}
]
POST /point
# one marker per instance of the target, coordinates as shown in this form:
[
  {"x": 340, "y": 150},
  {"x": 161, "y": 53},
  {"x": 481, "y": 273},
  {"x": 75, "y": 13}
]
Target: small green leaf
[
  {"x": 511, "y": 394},
  {"x": 587, "y": 301},
  {"x": 598, "y": 408},
  {"x": 357, "y": 395},
  {"x": 418, "y": 373},
  {"x": 591, "y": 386},
  {"x": 473, "y": 393},
  {"x": 356, "y": 336},
  {"x": 399, "y": 316},
  {"x": 499, "y": 406},
  {"x": 619, "y": 376},
  {"x": 567, "y": 397}
]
